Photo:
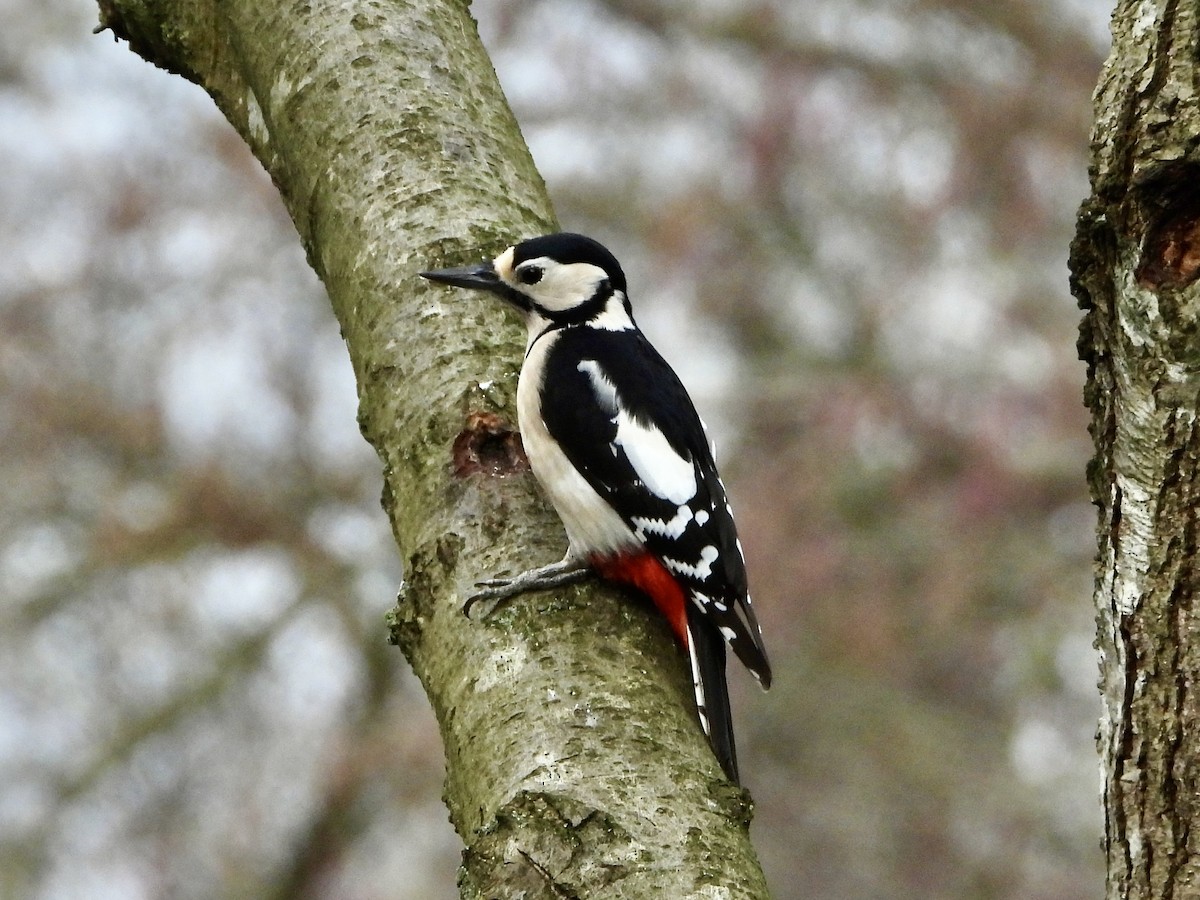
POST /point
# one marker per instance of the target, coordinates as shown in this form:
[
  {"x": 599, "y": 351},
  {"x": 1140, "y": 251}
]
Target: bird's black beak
[{"x": 481, "y": 277}]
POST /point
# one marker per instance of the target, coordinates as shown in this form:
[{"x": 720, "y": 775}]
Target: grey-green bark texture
[
  {"x": 1135, "y": 263},
  {"x": 575, "y": 767}
]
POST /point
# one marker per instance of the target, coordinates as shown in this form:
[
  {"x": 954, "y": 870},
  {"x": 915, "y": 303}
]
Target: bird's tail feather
[{"x": 706, "y": 651}]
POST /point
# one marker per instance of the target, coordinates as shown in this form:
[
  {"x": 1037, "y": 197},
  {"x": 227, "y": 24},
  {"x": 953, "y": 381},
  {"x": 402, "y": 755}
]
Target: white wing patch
[
  {"x": 701, "y": 570},
  {"x": 664, "y": 472},
  {"x": 606, "y": 391}
]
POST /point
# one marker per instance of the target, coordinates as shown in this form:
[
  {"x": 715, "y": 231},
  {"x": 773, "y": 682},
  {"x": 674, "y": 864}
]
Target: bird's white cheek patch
[
  {"x": 565, "y": 286},
  {"x": 665, "y": 473}
]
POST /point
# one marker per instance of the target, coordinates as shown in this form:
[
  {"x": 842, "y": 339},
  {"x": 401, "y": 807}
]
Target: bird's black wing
[{"x": 626, "y": 422}]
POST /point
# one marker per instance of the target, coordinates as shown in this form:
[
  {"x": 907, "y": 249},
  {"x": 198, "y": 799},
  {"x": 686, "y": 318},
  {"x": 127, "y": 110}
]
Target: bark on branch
[
  {"x": 575, "y": 767},
  {"x": 1135, "y": 264}
]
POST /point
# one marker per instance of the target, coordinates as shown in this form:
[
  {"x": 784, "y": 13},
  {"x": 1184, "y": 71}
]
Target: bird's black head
[
  {"x": 568, "y": 249},
  {"x": 563, "y": 278}
]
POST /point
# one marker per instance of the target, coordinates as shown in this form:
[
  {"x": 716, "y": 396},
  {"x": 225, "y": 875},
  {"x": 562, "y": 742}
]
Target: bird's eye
[{"x": 529, "y": 275}]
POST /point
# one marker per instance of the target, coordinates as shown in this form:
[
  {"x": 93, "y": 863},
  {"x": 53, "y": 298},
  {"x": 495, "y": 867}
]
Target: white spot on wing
[
  {"x": 701, "y": 570},
  {"x": 704, "y": 602},
  {"x": 672, "y": 529},
  {"x": 702, "y": 517}
]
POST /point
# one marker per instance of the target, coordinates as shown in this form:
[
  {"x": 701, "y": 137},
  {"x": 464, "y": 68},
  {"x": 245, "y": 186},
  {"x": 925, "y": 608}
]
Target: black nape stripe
[{"x": 577, "y": 315}]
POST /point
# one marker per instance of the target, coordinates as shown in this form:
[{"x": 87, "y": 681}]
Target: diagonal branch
[{"x": 566, "y": 718}]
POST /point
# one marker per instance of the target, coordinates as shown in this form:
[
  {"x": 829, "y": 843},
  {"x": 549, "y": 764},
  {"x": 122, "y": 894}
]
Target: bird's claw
[
  {"x": 498, "y": 590},
  {"x": 490, "y": 583},
  {"x": 493, "y": 589}
]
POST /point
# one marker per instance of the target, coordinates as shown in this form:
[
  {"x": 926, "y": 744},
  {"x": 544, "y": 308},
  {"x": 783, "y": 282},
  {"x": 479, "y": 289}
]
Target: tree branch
[{"x": 575, "y": 766}]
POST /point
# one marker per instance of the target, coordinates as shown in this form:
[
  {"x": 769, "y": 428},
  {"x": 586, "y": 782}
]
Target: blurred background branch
[{"x": 844, "y": 223}]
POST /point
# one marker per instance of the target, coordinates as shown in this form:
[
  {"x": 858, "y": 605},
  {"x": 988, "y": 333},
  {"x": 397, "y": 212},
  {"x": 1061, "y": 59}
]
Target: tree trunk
[
  {"x": 1135, "y": 263},
  {"x": 575, "y": 766}
]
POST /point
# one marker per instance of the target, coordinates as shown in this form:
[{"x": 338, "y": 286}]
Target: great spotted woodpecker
[{"x": 616, "y": 443}]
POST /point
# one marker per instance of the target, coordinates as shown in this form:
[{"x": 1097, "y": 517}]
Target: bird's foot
[{"x": 568, "y": 570}]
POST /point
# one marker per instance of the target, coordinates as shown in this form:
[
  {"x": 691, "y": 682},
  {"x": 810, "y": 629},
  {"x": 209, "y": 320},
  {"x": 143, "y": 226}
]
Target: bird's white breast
[{"x": 592, "y": 525}]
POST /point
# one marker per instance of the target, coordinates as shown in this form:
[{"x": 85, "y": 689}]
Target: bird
[{"x": 617, "y": 445}]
